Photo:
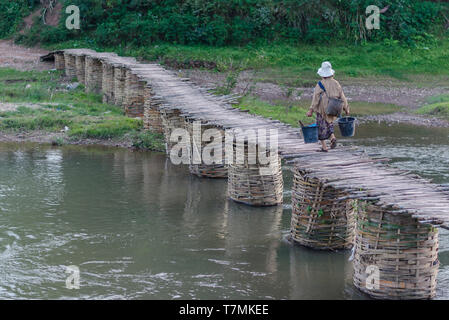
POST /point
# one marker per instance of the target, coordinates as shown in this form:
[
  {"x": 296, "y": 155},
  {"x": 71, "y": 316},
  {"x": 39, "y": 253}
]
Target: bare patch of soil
[
  {"x": 52, "y": 16},
  {"x": 402, "y": 94},
  {"x": 28, "y": 21},
  {"x": 22, "y": 58},
  {"x": 4, "y": 106}
]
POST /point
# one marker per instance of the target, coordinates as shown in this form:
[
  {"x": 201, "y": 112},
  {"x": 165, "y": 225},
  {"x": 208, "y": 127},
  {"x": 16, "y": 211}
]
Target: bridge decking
[{"x": 345, "y": 168}]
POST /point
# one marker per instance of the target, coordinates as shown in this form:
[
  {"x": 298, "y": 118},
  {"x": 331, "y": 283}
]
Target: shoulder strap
[{"x": 322, "y": 87}]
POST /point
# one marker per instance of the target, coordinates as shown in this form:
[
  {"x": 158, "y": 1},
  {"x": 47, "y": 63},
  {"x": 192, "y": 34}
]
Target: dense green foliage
[
  {"x": 11, "y": 14},
  {"x": 237, "y": 22},
  {"x": 147, "y": 140}
]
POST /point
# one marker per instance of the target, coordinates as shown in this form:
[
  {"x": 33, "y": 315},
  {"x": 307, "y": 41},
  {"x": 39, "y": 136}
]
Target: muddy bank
[
  {"x": 45, "y": 137},
  {"x": 413, "y": 119}
]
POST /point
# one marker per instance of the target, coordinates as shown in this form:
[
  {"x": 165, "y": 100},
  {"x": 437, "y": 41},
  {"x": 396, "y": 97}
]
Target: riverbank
[
  {"x": 380, "y": 79},
  {"x": 46, "y": 107},
  {"x": 275, "y": 94}
]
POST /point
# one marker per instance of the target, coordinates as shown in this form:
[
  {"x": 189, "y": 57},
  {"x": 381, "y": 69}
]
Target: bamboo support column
[
  {"x": 59, "y": 61},
  {"x": 321, "y": 219},
  {"x": 252, "y": 183},
  {"x": 396, "y": 257},
  {"x": 70, "y": 65},
  {"x": 108, "y": 82},
  {"x": 94, "y": 74},
  {"x": 152, "y": 119},
  {"x": 171, "y": 120},
  {"x": 206, "y": 168},
  {"x": 134, "y": 95},
  {"x": 119, "y": 85},
  {"x": 81, "y": 68}
]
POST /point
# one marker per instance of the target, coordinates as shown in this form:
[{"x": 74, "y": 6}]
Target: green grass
[
  {"x": 438, "y": 99},
  {"x": 292, "y": 112},
  {"x": 45, "y": 104},
  {"x": 148, "y": 140},
  {"x": 437, "y": 106},
  {"x": 361, "y": 108},
  {"x": 286, "y": 113},
  {"x": 297, "y": 65}
]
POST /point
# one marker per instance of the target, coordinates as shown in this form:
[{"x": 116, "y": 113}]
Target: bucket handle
[{"x": 356, "y": 120}]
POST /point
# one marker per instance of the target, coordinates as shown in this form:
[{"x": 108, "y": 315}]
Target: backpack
[{"x": 334, "y": 106}]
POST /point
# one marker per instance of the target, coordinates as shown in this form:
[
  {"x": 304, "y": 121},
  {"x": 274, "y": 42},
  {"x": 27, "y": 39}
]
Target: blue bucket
[
  {"x": 310, "y": 133},
  {"x": 347, "y": 126}
]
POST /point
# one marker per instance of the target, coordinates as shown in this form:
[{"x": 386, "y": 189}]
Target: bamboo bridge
[{"x": 340, "y": 200}]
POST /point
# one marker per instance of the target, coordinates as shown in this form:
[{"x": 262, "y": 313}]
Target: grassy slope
[
  {"x": 296, "y": 65},
  {"x": 45, "y": 104},
  {"x": 437, "y": 106}
]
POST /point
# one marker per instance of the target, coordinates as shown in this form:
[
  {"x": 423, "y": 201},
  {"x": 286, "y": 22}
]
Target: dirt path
[
  {"x": 5, "y": 106},
  {"x": 402, "y": 94},
  {"x": 21, "y": 58}
]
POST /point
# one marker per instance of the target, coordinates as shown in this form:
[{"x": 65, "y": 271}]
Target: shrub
[
  {"x": 219, "y": 22},
  {"x": 12, "y": 13}
]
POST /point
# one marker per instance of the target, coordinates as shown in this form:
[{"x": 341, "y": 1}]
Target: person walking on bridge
[{"x": 328, "y": 91}]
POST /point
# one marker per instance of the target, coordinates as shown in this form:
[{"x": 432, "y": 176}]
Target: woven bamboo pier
[
  {"x": 254, "y": 184},
  {"x": 70, "y": 65},
  {"x": 152, "y": 119},
  {"x": 321, "y": 216},
  {"x": 404, "y": 251},
  {"x": 134, "y": 99},
  {"x": 338, "y": 196},
  {"x": 216, "y": 170},
  {"x": 108, "y": 83},
  {"x": 171, "y": 120},
  {"x": 59, "y": 60}
]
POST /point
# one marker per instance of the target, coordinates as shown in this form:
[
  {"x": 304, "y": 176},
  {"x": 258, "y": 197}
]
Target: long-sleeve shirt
[{"x": 333, "y": 90}]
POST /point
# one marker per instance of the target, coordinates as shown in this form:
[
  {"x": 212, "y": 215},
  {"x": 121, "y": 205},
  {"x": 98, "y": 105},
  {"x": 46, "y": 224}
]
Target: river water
[{"x": 138, "y": 227}]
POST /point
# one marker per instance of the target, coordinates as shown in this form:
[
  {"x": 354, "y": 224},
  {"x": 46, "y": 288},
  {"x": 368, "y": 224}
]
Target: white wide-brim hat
[{"x": 326, "y": 70}]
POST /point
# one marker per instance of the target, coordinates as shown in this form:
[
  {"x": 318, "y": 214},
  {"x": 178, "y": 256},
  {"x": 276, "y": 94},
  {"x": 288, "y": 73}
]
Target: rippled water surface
[{"x": 141, "y": 228}]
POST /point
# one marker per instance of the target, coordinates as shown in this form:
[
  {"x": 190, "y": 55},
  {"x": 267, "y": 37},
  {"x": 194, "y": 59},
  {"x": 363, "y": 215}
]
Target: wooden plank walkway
[{"x": 345, "y": 168}]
